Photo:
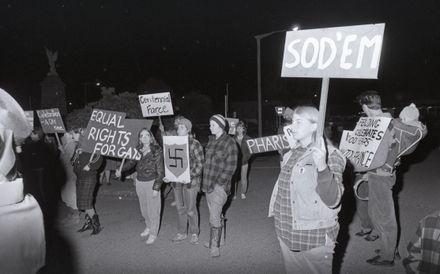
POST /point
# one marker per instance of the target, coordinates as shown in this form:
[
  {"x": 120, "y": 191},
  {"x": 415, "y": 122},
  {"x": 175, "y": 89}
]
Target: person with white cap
[
  {"x": 221, "y": 154},
  {"x": 186, "y": 194}
]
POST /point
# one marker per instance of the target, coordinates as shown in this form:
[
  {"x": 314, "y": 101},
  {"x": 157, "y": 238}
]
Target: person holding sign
[
  {"x": 149, "y": 175},
  {"x": 220, "y": 164},
  {"x": 398, "y": 140},
  {"x": 186, "y": 194},
  {"x": 306, "y": 198},
  {"x": 244, "y": 156}
]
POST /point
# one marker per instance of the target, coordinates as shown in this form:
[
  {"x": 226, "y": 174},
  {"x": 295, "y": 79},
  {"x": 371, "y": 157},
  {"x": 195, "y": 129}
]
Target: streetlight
[
  {"x": 97, "y": 83},
  {"x": 258, "y": 39}
]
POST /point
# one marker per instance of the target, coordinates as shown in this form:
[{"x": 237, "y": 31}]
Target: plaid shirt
[
  {"x": 196, "y": 159},
  {"x": 220, "y": 163},
  {"x": 301, "y": 240},
  {"x": 424, "y": 248}
]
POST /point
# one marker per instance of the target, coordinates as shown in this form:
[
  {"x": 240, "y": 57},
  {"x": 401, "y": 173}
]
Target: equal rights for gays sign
[
  {"x": 108, "y": 133},
  {"x": 361, "y": 145}
]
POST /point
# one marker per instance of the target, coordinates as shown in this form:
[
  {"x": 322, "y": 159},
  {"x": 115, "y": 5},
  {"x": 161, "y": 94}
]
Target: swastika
[{"x": 175, "y": 157}]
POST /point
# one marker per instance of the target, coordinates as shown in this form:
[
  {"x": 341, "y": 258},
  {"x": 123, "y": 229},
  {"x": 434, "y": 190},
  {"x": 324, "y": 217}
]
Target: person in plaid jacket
[
  {"x": 306, "y": 198},
  {"x": 220, "y": 164},
  {"x": 186, "y": 194}
]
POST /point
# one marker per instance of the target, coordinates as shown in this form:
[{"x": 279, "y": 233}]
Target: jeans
[
  {"x": 216, "y": 200},
  {"x": 150, "y": 206},
  {"x": 186, "y": 208},
  {"x": 315, "y": 260},
  {"x": 382, "y": 213}
]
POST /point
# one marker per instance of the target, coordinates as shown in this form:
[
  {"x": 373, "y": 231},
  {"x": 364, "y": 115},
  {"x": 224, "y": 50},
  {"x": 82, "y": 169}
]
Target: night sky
[{"x": 202, "y": 45}]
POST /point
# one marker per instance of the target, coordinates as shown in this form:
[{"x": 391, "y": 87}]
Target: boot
[
  {"x": 214, "y": 243},
  {"x": 96, "y": 225},
  {"x": 87, "y": 225}
]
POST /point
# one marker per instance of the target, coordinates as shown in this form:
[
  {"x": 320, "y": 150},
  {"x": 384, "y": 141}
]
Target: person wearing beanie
[
  {"x": 186, "y": 194},
  {"x": 218, "y": 169},
  {"x": 410, "y": 115}
]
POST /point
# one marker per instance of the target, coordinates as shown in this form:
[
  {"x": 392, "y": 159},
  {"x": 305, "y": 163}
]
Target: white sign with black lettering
[{"x": 156, "y": 104}]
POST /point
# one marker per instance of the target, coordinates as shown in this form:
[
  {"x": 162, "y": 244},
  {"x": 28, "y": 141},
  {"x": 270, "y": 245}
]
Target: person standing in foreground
[
  {"x": 244, "y": 155},
  {"x": 220, "y": 164},
  {"x": 86, "y": 169},
  {"x": 186, "y": 194},
  {"x": 306, "y": 198},
  {"x": 150, "y": 172}
]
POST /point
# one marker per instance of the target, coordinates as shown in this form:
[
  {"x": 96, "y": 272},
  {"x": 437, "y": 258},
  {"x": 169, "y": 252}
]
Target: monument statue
[{"x": 52, "y": 57}]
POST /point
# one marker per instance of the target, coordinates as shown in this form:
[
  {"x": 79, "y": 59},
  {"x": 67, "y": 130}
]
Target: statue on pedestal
[{"x": 52, "y": 58}]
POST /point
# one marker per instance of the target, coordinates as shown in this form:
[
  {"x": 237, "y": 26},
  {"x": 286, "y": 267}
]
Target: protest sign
[
  {"x": 30, "y": 117},
  {"x": 107, "y": 135},
  {"x": 268, "y": 143},
  {"x": 176, "y": 158},
  {"x": 156, "y": 104},
  {"x": 50, "y": 120},
  {"x": 342, "y": 52},
  {"x": 361, "y": 145},
  {"x": 232, "y": 122},
  {"x": 134, "y": 126}
]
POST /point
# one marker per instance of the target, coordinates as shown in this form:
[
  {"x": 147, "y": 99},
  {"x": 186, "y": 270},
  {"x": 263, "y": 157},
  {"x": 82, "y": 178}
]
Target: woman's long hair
[{"x": 154, "y": 146}]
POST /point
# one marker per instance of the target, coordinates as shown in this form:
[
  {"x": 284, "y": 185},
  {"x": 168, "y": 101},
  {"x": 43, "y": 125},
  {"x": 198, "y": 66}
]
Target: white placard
[
  {"x": 156, "y": 104},
  {"x": 176, "y": 158}
]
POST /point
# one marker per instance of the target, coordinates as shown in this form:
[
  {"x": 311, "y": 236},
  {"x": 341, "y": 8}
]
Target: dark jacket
[
  {"x": 245, "y": 154},
  {"x": 149, "y": 167},
  {"x": 81, "y": 159}
]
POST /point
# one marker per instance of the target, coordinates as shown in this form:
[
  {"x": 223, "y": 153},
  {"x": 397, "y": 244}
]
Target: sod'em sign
[
  {"x": 176, "y": 158},
  {"x": 360, "y": 146},
  {"x": 50, "y": 120},
  {"x": 341, "y": 52},
  {"x": 156, "y": 104}
]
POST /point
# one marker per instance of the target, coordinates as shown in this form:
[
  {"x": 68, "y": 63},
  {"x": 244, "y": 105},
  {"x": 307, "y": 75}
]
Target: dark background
[{"x": 196, "y": 45}]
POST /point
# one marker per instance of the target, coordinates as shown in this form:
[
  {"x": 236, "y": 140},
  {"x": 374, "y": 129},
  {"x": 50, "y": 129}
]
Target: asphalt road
[{"x": 251, "y": 245}]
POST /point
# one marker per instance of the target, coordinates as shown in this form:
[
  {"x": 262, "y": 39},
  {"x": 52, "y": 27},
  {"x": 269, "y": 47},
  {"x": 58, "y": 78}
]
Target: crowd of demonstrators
[
  {"x": 86, "y": 166},
  {"x": 221, "y": 155},
  {"x": 149, "y": 178},
  {"x": 186, "y": 194},
  {"x": 306, "y": 198},
  {"x": 243, "y": 159}
]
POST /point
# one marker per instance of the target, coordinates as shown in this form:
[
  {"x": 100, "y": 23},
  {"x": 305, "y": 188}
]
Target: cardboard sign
[
  {"x": 342, "y": 52},
  {"x": 107, "y": 135},
  {"x": 156, "y": 104},
  {"x": 232, "y": 125},
  {"x": 266, "y": 144},
  {"x": 50, "y": 120},
  {"x": 176, "y": 158},
  {"x": 360, "y": 145},
  {"x": 30, "y": 117}
]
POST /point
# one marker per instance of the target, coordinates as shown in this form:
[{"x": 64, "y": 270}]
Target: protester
[
  {"x": 244, "y": 154},
  {"x": 306, "y": 198},
  {"x": 186, "y": 194},
  {"x": 111, "y": 164},
  {"x": 36, "y": 158},
  {"x": 361, "y": 190},
  {"x": 398, "y": 140},
  {"x": 149, "y": 175},
  {"x": 424, "y": 247},
  {"x": 220, "y": 164},
  {"x": 85, "y": 166}
]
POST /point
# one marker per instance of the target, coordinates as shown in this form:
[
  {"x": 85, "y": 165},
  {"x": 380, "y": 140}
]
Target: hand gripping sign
[{"x": 176, "y": 156}]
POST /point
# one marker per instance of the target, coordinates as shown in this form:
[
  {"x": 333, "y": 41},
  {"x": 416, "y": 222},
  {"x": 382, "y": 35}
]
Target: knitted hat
[
  {"x": 183, "y": 121},
  {"x": 410, "y": 113},
  {"x": 220, "y": 120}
]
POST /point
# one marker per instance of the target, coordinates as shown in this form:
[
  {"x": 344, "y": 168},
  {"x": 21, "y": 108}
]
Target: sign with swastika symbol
[{"x": 176, "y": 155}]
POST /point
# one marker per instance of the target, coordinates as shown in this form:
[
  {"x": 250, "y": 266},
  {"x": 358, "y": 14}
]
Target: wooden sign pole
[{"x": 322, "y": 108}]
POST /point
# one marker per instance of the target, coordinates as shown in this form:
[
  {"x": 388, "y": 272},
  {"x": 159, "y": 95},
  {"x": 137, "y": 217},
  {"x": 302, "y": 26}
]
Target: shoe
[
  {"x": 378, "y": 261},
  {"x": 151, "y": 240},
  {"x": 243, "y": 196},
  {"x": 194, "y": 239},
  {"x": 146, "y": 232},
  {"x": 87, "y": 225},
  {"x": 396, "y": 255},
  {"x": 173, "y": 203},
  {"x": 96, "y": 225},
  {"x": 363, "y": 233},
  {"x": 179, "y": 238},
  {"x": 235, "y": 197},
  {"x": 371, "y": 238}
]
